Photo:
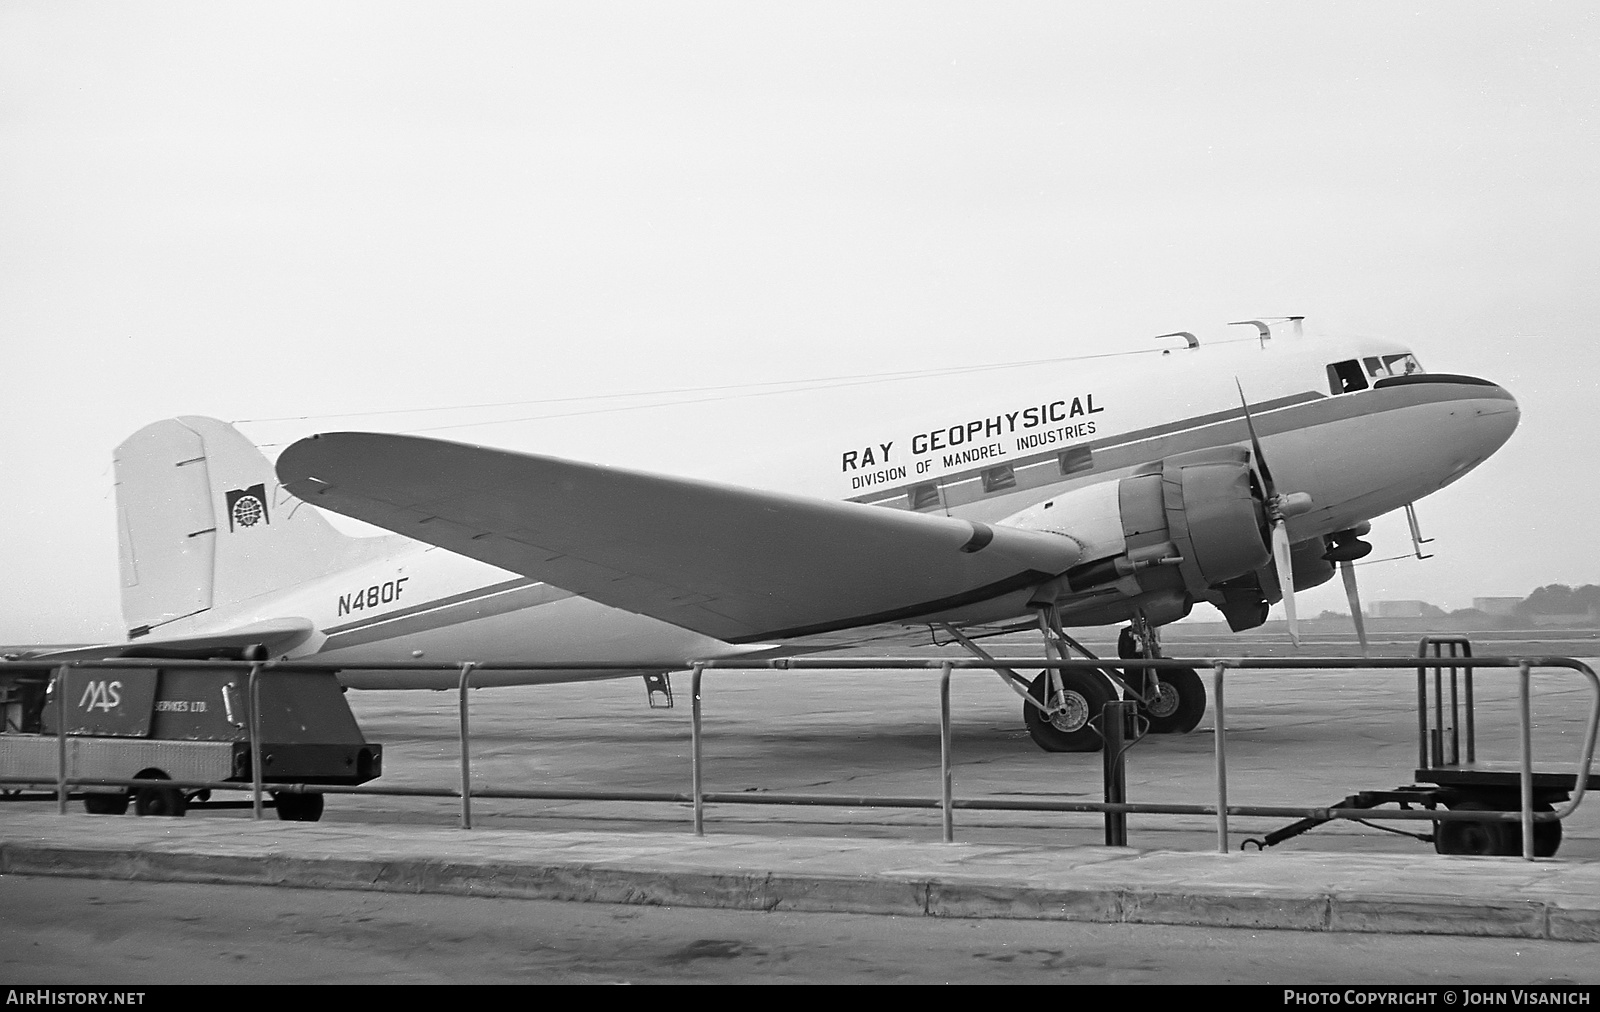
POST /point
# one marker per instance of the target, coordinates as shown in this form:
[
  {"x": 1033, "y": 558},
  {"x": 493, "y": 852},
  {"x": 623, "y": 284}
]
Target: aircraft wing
[{"x": 728, "y": 562}]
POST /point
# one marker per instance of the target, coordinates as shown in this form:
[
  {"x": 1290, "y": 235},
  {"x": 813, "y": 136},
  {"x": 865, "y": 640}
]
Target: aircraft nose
[
  {"x": 1487, "y": 416},
  {"x": 1496, "y": 415}
]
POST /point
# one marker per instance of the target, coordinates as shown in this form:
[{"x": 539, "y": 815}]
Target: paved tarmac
[{"x": 1420, "y": 893}]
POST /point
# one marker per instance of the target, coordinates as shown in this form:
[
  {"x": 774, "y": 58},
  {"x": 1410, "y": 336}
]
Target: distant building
[
  {"x": 1497, "y": 605},
  {"x": 1395, "y": 609}
]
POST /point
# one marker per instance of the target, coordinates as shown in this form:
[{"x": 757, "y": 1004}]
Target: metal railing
[{"x": 947, "y": 803}]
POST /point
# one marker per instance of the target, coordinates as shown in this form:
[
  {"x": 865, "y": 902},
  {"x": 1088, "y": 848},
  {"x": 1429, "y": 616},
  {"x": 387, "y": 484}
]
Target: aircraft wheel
[
  {"x": 297, "y": 807},
  {"x": 106, "y": 804},
  {"x": 1087, "y": 693},
  {"x": 1177, "y": 702},
  {"x": 1484, "y": 839},
  {"x": 160, "y": 801}
]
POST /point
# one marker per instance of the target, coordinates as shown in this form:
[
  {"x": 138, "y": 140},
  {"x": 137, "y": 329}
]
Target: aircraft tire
[
  {"x": 106, "y": 804},
  {"x": 1087, "y": 693},
  {"x": 1484, "y": 839},
  {"x": 297, "y": 807},
  {"x": 1179, "y": 703}
]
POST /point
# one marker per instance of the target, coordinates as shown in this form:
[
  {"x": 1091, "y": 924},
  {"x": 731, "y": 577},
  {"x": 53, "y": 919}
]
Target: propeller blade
[
  {"x": 1278, "y": 509},
  {"x": 1281, "y": 559},
  {"x": 1270, "y": 489},
  {"x": 1348, "y": 571}
]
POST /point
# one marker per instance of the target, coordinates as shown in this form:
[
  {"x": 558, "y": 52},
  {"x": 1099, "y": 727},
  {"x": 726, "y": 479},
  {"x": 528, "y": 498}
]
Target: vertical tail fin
[{"x": 203, "y": 525}]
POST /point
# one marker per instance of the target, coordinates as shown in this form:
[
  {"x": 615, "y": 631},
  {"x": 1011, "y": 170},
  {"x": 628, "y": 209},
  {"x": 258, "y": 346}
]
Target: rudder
[{"x": 203, "y": 525}]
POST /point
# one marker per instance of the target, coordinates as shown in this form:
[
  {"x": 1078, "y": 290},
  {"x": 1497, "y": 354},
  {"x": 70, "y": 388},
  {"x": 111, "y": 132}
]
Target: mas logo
[{"x": 247, "y": 507}]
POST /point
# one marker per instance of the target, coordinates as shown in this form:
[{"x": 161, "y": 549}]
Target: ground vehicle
[
  {"x": 1453, "y": 779},
  {"x": 186, "y": 722}
]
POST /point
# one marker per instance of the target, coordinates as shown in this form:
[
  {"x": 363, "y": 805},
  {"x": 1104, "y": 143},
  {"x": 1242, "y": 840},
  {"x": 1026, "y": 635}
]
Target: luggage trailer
[
  {"x": 186, "y": 722},
  {"x": 1449, "y": 776}
]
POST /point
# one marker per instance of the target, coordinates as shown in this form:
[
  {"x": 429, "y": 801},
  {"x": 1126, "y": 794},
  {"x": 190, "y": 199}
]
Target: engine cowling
[
  {"x": 1311, "y": 569},
  {"x": 1176, "y": 531}
]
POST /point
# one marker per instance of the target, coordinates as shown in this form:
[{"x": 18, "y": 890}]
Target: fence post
[
  {"x": 1113, "y": 727},
  {"x": 694, "y": 731},
  {"x": 61, "y": 739},
  {"x": 1218, "y": 667},
  {"x": 466, "y": 763},
  {"x": 948, "y": 800},
  {"x": 1525, "y": 726},
  {"x": 253, "y": 690}
]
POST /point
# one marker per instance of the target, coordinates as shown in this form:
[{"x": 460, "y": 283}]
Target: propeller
[
  {"x": 1345, "y": 548},
  {"x": 1348, "y": 571},
  {"x": 1279, "y": 509}
]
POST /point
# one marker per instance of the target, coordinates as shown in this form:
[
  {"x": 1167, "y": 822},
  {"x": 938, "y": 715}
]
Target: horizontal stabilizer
[
  {"x": 278, "y": 636},
  {"x": 729, "y": 562}
]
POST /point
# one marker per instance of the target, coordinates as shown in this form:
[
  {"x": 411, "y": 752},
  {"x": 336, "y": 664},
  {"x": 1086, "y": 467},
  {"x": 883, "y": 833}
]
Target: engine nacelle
[
  {"x": 1244, "y": 602},
  {"x": 1158, "y": 540}
]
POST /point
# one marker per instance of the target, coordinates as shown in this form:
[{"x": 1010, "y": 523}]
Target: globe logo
[{"x": 248, "y": 511}]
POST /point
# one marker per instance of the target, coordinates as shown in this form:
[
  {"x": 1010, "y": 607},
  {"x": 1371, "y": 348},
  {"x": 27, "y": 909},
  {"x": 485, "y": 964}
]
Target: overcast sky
[{"x": 268, "y": 211}]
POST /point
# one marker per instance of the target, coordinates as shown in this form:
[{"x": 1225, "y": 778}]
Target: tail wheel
[
  {"x": 1068, "y": 729},
  {"x": 1175, "y": 700}
]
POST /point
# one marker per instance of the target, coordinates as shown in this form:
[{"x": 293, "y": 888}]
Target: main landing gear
[
  {"x": 1061, "y": 707},
  {"x": 1173, "y": 700}
]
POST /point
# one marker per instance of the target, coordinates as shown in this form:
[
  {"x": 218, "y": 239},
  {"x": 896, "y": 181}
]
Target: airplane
[{"x": 1090, "y": 493}]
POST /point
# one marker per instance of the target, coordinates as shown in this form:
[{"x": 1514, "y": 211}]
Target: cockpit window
[
  {"x": 1404, "y": 364},
  {"x": 1347, "y": 377},
  {"x": 1352, "y": 375}
]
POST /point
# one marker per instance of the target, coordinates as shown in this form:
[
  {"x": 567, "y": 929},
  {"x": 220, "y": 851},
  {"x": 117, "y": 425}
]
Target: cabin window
[
  {"x": 997, "y": 478},
  {"x": 925, "y": 497},
  {"x": 1079, "y": 458},
  {"x": 1346, "y": 377}
]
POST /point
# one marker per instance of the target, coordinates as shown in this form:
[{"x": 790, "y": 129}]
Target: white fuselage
[{"x": 1357, "y": 454}]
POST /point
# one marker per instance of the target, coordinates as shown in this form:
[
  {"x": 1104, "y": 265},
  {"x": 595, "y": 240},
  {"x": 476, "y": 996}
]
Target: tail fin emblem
[{"x": 247, "y": 507}]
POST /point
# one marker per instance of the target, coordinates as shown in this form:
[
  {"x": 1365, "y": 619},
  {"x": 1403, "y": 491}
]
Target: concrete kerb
[{"x": 1379, "y": 893}]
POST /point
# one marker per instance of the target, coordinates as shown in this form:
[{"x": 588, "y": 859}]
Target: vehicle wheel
[
  {"x": 1087, "y": 693},
  {"x": 106, "y": 804},
  {"x": 297, "y": 807},
  {"x": 1546, "y": 835},
  {"x": 1177, "y": 702},
  {"x": 1484, "y": 839},
  {"x": 159, "y": 800}
]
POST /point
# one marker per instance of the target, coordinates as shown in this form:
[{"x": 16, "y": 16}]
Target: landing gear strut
[
  {"x": 1060, "y": 708},
  {"x": 1173, "y": 700}
]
